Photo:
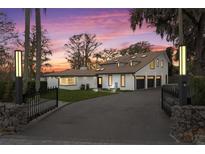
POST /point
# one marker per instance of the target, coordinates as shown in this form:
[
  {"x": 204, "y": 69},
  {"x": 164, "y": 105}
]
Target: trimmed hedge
[
  {"x": 7, "y": 90},
  {"x": 2, "y": 87},
  {"x": 197, "y": 85},
  {"x": 32, "y": 88}
]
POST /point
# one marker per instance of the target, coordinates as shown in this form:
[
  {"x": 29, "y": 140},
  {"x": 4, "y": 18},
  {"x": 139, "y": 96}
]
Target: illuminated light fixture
[
  {"x": 182, "y": 60},
  {"x": 18, "y": 62},
  {"x": 18, "y": 82}
]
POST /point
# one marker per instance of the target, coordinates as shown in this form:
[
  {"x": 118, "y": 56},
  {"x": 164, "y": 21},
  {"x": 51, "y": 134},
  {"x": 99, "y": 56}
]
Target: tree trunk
[
  {"x": 96, "y": 62},
  {"x": 79, "y": 61},
  {"x": 27, "y": 49},
  {"x": 86, "y": 55},
  {"x": 198, "y": 66},
  {"x": 38, "y": 48},
  {"x": 86, "y": 59},
  {"x": 181, "y": 35}
]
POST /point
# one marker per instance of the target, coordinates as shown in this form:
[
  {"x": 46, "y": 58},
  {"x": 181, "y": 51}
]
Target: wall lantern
[
  {"x": 182, "y": 60},
  {"x": 18, "y": 82}
]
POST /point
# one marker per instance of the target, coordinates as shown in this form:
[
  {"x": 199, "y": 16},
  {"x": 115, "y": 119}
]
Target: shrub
[
  {"x": 197, "y": 88},
  {"x": 8, "y": 93},
  {"x": 2, "y": 87},
  {"x": 43, "y": 86},
  {"x": 82, "y": 87},
  {"x": 7, "y": 89},
  {"x": 32, "y": 88}
]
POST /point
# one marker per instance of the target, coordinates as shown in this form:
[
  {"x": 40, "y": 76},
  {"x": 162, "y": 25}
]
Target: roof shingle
[
  {"x": 111, "y": 67},
  {"x": 142, "y": 59}
]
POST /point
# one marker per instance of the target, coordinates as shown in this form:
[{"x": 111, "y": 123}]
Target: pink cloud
[
  {"x": 106, "y": 26},
  {"x": 111, "y": 28},
  {"x": 159, "y": 47}
]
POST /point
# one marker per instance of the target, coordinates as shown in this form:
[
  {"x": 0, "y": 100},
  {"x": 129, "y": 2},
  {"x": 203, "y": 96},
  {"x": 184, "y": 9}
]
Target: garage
[
  {"x": 150, "y": 81},
  {"x": 158, "y": 81},
  {"x": 140, "y": 82}
]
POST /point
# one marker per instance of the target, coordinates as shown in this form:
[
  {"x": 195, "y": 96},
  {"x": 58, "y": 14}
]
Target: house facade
[
  {"x": 72, "y": 79},
  {"x": 141, "y": 71}
]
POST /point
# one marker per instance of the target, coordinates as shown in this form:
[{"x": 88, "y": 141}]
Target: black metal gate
[
  {"x": 169, "y": 97},
  {"x": 41, "y": 102}
]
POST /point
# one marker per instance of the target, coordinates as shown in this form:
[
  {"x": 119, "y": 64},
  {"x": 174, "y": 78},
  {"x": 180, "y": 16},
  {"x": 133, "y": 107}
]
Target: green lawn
[{"x": 78, "y": 95}]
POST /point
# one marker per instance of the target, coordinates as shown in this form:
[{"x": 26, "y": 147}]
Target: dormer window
[
  {"x": 152, "y": 65},
  {"x": 162, "y": 63},
  {"x": 143, "y": 56},
  {"x": 157, "y": 62},
  {"x": 118, "y": 64}
]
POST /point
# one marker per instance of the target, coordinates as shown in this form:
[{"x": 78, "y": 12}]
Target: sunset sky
[{"x": 111, "y": 26}]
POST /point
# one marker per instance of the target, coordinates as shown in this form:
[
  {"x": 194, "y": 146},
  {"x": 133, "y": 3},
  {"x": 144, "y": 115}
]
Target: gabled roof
[
  {"x": 73, "y": 72},
  {"x": 142, "y": 59},
  {"x": 110, "y": 67}
]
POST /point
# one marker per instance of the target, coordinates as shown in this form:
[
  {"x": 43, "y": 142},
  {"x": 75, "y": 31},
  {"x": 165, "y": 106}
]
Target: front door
[{"x": 99, "y": 82}]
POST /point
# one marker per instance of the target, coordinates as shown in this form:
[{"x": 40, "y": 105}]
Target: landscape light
[
  {"x": 183, "y": 77},
  {"x": 182, "y": 60},
  {"x": 18, "y": 82},
  {"x": 18, "y": 62}
]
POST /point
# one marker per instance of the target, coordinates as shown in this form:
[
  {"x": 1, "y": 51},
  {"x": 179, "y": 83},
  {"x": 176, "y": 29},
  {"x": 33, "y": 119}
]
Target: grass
[{"x": 78, "y": 95}]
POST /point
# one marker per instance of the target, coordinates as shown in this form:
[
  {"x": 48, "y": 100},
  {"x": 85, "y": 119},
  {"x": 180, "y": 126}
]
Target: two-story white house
[{"x": 139, "y": 71}]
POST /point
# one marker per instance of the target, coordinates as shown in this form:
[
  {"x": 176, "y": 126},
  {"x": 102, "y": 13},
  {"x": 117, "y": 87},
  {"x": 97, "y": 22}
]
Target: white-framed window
[
  {"x": 157, "y": 62},
  {"x": 122, "y": 80},
  {"x": 68, "y": 81},
  {"x": 162, "y": 63},
  {"x": 109, "y": 80},
  {"x": 152, "y": 65}
]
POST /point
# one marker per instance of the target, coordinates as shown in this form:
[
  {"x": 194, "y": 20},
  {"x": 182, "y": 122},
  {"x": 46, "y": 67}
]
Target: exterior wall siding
[
  {"x": 92, "y": 81},
  {"x": 162, "y": 71},
  {"x": 116, "y": 81},
  {"x": 145, "y": 71}
]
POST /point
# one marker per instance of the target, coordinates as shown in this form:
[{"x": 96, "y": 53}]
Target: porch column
[
  {"x": 155, "y": 80},
  {"x": 146, "y": 81}
]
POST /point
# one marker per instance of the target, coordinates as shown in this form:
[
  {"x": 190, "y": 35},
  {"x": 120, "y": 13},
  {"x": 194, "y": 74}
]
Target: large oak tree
[
  {"x": 80, "y": 49},
  {"x": 46, "y": 52},
  {"x": 139, "y": 47},
  {"x": 166, "y": 23},
  {"x": 8, "y": 41}
]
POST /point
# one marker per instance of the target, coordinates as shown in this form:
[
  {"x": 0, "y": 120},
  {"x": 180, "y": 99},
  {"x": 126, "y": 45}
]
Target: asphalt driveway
[{"x": 125, "y": 118}]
